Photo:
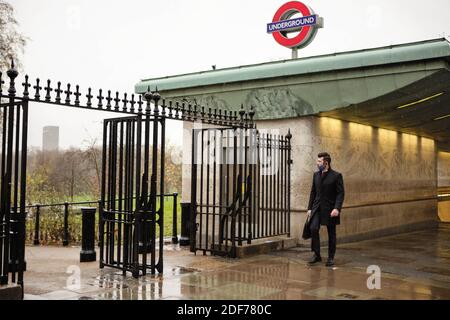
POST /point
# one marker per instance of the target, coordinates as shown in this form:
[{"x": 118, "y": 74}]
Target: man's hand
[
  {"x": 335, "y": 213},
  {"x": 308, "y": 214}
]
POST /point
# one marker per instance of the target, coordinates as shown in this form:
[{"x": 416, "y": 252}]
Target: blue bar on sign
[{"x": 292, "y": 24}]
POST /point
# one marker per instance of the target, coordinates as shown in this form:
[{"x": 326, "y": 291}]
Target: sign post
[{"x": 283, "y": 24}]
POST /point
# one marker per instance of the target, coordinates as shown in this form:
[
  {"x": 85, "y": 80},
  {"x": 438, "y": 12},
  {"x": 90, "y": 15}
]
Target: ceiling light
[
  {"x": 443, "y": 117},
  {"x": 420, "y": 101}
]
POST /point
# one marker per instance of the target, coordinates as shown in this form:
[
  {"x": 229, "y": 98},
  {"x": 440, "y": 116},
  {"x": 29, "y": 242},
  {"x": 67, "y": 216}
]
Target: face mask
[{"x": 321, "y": 167}]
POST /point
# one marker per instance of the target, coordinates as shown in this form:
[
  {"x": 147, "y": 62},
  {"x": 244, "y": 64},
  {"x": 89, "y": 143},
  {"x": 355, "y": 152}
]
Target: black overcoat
[{"x": 327, "y": 193}]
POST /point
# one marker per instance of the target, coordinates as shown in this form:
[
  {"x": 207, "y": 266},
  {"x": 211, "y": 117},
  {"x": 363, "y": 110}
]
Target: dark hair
[{"x": 326, "y": 156}]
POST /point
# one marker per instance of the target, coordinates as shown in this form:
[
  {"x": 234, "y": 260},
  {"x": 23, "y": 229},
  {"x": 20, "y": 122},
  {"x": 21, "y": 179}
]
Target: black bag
[{"x": 306, "y": 230}]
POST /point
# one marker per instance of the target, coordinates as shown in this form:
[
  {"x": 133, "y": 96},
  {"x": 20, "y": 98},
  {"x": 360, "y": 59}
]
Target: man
[{"x": 324, "y": 208}]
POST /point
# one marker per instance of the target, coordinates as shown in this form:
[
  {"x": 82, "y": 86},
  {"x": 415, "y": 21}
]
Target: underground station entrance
[
  {"x": 390, "y": 140},
  {"x": 240, "y": 185}
]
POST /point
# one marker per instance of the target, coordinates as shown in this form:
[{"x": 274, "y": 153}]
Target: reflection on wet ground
[{"x": 413, "y": 266}]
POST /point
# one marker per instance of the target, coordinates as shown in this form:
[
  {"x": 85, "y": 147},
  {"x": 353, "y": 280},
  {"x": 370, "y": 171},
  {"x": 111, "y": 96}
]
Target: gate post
[
  {"x": 88, "y": 253},
  {"x": 193, "y": 206},
  {"x": 185, "y": 223},
  {"x": 66, "y": 225},
  {"x": 13, "y": 159},
  {"x": 17, "y": 262}
]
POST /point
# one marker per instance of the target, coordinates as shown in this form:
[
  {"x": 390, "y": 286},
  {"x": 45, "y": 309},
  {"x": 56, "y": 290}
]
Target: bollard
[
  {"x": 88, "y": 253},
  {"x": 99, "y": 240},
  {"x": 66, "y": 225},
  {"x": 17, "y": 261},
  {"x": 185, "y": 223},
  {"x": 36, "y": 226}
]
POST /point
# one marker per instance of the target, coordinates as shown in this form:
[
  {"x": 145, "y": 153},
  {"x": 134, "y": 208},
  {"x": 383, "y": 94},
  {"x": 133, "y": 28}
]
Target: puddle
[
  {"x": 347, "y": 296},
  {"x": 178, "y": 270},
  {"x": 109, "y": 282}
]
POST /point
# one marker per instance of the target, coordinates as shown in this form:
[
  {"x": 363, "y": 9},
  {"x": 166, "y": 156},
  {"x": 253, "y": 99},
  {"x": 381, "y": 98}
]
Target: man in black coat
[{"x": 325, "y": 204}]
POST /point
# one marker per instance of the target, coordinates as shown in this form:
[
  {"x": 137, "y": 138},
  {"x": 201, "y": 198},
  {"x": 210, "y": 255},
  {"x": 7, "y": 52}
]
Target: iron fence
[
  {"x": 240, "y": 188},
  {"x": 64, "y": 221},
  {"x": 126, "y": 174}
]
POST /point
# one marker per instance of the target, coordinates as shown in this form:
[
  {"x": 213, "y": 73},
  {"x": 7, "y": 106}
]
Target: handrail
[
  {"x": 85, "y": 202},
  {"x": 239, "y": 193},
  {"x": 231, "y": 208},
  {"x": 378, "y": 203}
]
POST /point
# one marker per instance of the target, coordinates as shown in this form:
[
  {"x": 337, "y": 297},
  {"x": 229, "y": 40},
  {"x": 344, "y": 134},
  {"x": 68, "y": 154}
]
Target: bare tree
[
  {"x": 93, "y": 153},
  {"x": 12, "y": 43}
]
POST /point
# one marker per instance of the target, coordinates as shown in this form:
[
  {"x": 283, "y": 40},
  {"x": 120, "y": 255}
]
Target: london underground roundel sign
[{"x": 306, "y": 25}]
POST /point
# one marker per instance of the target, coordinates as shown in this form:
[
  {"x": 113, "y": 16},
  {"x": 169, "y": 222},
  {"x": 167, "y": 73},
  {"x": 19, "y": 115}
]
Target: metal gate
[
  {"x": 221, "y": 189},
  {"x": 240, "y": 188},
  {"x": 132, "y": 189},
  {"x": 131, "y": 211},
  {"x": 13, "y": 180}
]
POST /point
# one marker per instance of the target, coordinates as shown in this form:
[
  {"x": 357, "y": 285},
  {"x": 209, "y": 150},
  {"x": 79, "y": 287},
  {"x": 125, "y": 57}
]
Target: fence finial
[
  {"x": 48, "y": 89},
  {"x": 252, "y": 112},
  {"x": 77, "y": 95},
  {"x": 100, "y": 99},
  {"x": 38, "y": 88},
  {"x": 289, "y": 135},
  {"x": 125, "y": 102},
  {"x": 89, "y": 97},
  {"x": 156, "y": 95},
  {"x": 12, "y": 74},
  {"x": 242, "y": 112},
  {"x": 26, "y": 85},
  {"x": 132, "y": 102},
  {"x": 140, "y": 102},
  {"x": 148, "y": 95},
  {"x": 116, "y": 101}
]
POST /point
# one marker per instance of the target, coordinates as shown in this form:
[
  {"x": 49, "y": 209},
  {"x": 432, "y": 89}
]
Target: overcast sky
[{"x": 113, "y": 44}]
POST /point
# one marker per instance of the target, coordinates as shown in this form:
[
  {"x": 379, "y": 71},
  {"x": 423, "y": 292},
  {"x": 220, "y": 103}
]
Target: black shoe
[
  {"x": 330, "y": 262},
  {"x": 314, "y": 260}
]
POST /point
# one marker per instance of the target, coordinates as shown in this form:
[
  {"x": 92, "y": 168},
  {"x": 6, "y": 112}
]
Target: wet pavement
[{"x": 413, "y": 266}]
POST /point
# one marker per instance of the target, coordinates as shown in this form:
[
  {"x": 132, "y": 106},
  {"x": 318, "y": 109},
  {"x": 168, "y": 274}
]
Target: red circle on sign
[{"x": 297, "y": 40}]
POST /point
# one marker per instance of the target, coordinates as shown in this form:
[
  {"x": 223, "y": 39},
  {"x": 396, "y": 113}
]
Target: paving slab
[{"x": 412, "y": 266}]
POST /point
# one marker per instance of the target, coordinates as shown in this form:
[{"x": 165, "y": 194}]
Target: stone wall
[
  {"x": 389, "y": 177},
  {"x": 443, "y": 169},
  {"x": 187, "y": 167},
  {"x": 443, "y": 164}
]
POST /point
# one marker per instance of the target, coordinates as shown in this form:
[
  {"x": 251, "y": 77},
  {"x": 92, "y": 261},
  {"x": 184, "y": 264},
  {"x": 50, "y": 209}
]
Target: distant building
[{"x": 50, "y": 138}]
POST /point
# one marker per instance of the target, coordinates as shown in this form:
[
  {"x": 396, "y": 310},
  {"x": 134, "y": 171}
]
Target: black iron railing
[
  {"x": 143, "y": 129},
  {"x": 240, "y": 188},
  {"x": 66, "y": 210}
]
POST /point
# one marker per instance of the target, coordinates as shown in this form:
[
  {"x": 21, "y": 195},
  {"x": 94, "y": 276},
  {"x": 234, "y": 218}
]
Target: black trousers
[{"x": 315, "y": 238}]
